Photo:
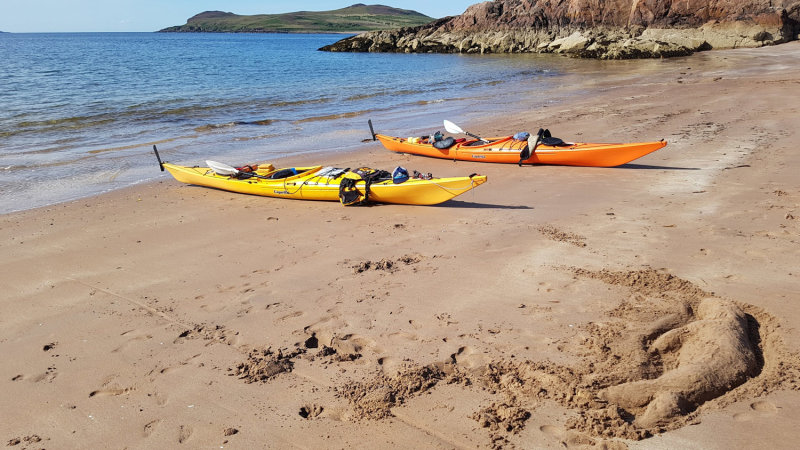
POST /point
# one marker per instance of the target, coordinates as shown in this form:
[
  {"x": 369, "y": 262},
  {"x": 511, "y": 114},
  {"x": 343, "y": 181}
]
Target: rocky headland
[{"x": 604, "y": 29}]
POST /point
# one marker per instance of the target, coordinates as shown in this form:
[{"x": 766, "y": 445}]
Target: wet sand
[{"x": 653, "y": 305}]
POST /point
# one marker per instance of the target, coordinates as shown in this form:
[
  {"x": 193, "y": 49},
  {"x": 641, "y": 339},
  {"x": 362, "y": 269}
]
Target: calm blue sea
[{"x": 81, "y": 111}]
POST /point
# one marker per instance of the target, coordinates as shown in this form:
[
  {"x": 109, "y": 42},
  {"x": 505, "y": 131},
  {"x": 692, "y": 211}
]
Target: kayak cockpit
[
  {"x": 290, "y": 173},
  {"x": 482, "y": 142}
]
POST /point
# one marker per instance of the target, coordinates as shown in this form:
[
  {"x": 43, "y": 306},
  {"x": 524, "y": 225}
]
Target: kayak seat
[
  {"x": 554, "y": 142},
  {"x": 548, "y": 139}
]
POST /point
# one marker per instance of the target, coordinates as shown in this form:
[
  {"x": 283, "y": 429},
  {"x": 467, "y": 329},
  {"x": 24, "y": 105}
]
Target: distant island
[{"x": 355, "y": 18}]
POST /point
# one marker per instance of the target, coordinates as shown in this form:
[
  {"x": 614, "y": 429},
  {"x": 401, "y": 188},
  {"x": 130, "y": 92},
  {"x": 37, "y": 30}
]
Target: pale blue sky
[{"x": 22, "y": 16}]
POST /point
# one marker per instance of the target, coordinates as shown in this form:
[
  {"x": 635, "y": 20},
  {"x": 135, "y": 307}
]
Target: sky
[{"x": 32, "y": 16}]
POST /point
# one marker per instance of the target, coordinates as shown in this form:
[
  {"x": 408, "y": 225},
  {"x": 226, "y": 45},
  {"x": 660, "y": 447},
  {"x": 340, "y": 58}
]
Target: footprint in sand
[
  {"x": 131, "y": 341},
  {"x": 764, "y": 406},
  {"x": 756, "y": 253},
  {"x": 109, "y": 392},
  {"x": 338, "y": 414},
  {"x": 390, "y": 365},
  {"x": 310, "y": 411},
  {"x": 414, "y": 324},
  {"x": 761, "y": 408},
  {"x": 289, "y": 316},
  {"x": 552, "y": 431},
  {"x": 331, "y": 322},
  {"x": 569, "y": 439},
  {"x": 468, "y": 357},
  {"x": 350, "y": 343},
  {"x": 168, "y": 370},
  {"x": 48, "y": 376},
  {"x": 149, "y": 427},
  {"x": 244, "y": 311},
  {"x": 213, "y": 308},
  {"x": 404, "y": 335},
  {"x": 184, "y": 433},
  {"x": 161, "y": 399}
]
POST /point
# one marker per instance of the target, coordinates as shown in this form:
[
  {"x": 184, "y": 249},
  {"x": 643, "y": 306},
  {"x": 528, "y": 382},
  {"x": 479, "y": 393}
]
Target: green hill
[{"x": 358, "y": 17}]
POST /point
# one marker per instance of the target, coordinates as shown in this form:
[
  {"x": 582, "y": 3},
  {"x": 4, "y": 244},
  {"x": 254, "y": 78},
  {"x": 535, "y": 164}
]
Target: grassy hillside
[{"x": 358, "y": 17}]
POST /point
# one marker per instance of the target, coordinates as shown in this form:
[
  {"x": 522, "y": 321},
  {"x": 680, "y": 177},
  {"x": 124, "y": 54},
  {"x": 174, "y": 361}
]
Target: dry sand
[{"x": 652, "y": 305}]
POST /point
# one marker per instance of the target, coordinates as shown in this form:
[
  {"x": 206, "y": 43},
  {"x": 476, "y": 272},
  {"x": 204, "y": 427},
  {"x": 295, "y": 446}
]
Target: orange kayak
[{"x": 507, "y": 150}]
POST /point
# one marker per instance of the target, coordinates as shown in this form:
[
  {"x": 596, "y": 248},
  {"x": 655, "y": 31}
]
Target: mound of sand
[
  {"x": 703, "y": 359},
  {"x": 663, "y": 353}
]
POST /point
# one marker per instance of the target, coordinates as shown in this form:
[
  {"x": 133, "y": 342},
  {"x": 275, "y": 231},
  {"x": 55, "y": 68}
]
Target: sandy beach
[{"x": 652, "y": 305}]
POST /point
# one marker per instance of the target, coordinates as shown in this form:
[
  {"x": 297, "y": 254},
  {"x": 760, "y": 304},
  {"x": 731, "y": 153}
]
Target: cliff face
[
  {"x": 618, "y": 13},
  {"x": 609, "y": 29}
]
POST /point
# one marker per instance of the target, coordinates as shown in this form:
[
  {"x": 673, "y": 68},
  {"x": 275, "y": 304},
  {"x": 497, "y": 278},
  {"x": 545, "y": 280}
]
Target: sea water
[{"x": 81, "y": 111}]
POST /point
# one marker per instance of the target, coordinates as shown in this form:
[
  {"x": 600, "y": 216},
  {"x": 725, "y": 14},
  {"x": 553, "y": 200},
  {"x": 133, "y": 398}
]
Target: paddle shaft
[
  {"x": 453, "y": 128},
  {"x": 473, "y": 135},
  {"x": 160, "y": 164}
]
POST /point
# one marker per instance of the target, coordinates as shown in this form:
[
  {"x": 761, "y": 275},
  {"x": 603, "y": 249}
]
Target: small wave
[
  {"x": 383, "y": 93},
  {"x": 429, "y": 102},
  {"x": 217, "y": 126},
  {"x": 346, "y": 115},
  {"x": 256, "y": 138},
  {"x": 64, "y": 123},
  {"x": 301, "y": 102},
  {"x": 187, "y": 110},
  {"x": 128, "y": 147},
  {"x": 484, "y": 83},
  {"x": 45, "y": 151},
  {"x": 72, "y": 158},
  {"x": 259, "y": 122},
  {"x": 39, "y": 166},
  {"x": 214, "y": 126}
]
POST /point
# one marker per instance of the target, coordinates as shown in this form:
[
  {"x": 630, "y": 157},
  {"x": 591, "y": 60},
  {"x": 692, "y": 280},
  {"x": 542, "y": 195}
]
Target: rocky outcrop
[{"x": 606, "y": 29}]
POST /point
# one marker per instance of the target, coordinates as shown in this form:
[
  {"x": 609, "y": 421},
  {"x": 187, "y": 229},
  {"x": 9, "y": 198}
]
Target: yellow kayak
[{"x": 325, "y": 183}]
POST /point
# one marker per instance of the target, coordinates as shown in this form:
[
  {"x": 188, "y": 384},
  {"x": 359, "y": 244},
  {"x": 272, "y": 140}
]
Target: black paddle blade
[
  {"x": 160, "y": 164},
  {"x": 524, "y": 154},
  {"x": 528, "y": 151},
  {"x": 371, "y": 130}
]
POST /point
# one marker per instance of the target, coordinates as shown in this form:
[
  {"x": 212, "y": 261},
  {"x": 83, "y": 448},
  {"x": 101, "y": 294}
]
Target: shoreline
[
  {"x": 82, "y": 149},
  {"x": 165, "y": 313}
]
